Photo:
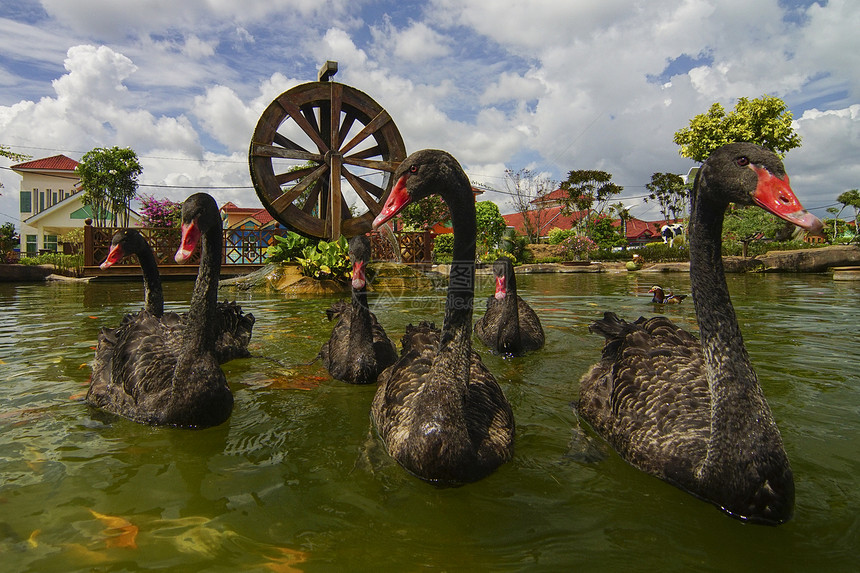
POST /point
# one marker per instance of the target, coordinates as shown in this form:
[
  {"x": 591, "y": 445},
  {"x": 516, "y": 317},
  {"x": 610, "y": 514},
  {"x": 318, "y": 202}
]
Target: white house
[{"x": 51, "y": 204}]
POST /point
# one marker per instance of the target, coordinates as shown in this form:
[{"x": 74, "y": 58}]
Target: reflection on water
[{"x": 296, "y": 479}]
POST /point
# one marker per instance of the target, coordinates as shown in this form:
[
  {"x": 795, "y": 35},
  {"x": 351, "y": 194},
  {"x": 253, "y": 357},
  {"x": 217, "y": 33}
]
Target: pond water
[{"x": 296, "y": 480}]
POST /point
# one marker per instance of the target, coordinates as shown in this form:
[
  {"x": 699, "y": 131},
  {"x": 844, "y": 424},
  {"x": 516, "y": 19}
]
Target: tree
[
  {"x": 527, "y": 189},
  {"x": 491, "y": 224},
  {"x": 425, "y": 213},
  {"x": 765, "y": 121},
  {"x": 670, "y": 192},
  {"x": 623, "y": 214},
  {"x": 9, "y": 239},
  {"x": 8, "y": 153},
  {"x": 851, "y": 198},
  {"x": 109, "y": 183},
  {"x": 588, "y": 190},
  {"x": 747, "y": 224},
  {"x": 604, "y": 234}
]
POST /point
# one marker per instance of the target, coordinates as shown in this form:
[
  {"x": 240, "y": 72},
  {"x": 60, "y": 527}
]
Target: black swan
[
  {"x": 233, "y": 326},
  {"x": 660, "y": 296},
  {"x": 439, "y": 411},
  {"x": 358, "y": 349},
  {"x": 692, "y": 413},
  {"x": 509, "y": 326},
  {"x": 140, "y": 373}
]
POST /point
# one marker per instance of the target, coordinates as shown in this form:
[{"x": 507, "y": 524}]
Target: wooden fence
[{"x": 243, "y": 247}]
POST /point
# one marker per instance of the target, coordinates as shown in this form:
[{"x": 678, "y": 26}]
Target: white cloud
[{"x": 556, "y": 86}]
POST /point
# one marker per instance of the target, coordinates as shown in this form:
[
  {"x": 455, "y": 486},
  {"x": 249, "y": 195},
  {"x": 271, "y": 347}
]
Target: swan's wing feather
[{"x": 648, "y": 396}]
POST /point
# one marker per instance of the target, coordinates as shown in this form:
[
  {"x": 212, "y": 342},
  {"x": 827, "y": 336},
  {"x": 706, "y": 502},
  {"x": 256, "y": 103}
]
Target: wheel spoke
[
  {"x": 376, "y": 123},
  {"x": 334, "y": 213},
  {"x": 283, "y": 201},
  {"x": 313, "y": 198},
  {"x": 366, "y": 153},
  {"x": 310, "y": 115},
  {"x": 284, "y": 178},
  {"x": 348, "y": 120},
  {"x": 293, "y": 110},
  {"x": 262, "y": 150},
  {"x": 336, "y": 104},
  {"x": 309, "y": 190},
  {"x": 390, "y": 166},
  {"x": 358, "y": 185},
  {"x": 284, "y": 142}
]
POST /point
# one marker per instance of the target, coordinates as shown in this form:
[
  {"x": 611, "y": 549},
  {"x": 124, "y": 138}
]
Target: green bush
[
  {"x": 556, "y": 235},
  {"x": 443, "y": 248},
  {"x": 317, "y": 259},
  {"x": 326, "y": 260},
  {"x": 287, "y": 248},
  {"x": 493, "y": 255},
  {"x": 67, "y": 264}
]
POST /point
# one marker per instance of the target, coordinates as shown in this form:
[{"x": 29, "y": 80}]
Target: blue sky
[{"x": 546, "y": 85}]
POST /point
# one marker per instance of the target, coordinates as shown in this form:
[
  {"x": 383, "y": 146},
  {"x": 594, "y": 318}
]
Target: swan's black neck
[
  {"x": 739, "y": 413},
  {"x": 202, "y": 312},
  {"x": 455, "y": 342},
  {"x": 152, "y": 293},
  {"x": 360, "y": 332}
]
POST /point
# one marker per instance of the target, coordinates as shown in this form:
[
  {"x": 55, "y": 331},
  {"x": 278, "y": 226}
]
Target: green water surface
[{"x": 296, "y": 479}]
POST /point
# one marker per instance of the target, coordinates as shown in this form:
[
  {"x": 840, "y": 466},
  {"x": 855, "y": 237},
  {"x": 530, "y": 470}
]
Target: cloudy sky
[{"x": 547, "y": 85}]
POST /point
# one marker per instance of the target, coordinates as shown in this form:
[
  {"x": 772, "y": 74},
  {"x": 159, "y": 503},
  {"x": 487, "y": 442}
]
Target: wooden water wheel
[{"x": 321, "y": 159}]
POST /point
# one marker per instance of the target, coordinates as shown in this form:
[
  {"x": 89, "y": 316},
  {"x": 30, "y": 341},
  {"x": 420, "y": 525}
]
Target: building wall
[
  {"x": 54, "y": 197},
  {"x": 39, "y": 192}
]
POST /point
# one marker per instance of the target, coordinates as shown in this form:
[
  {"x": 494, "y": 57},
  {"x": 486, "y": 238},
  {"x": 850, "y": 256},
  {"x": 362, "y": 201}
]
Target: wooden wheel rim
[{"x": 360, "y": 135}]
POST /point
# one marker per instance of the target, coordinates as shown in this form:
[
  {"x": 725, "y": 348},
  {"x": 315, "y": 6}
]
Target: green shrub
[
  {"x": 493, "y": 255},
  {"x": 556, "y": 235},
  {"x": 443, "y": 248},
  {"x": 514, "y": 246},
  {"x": 326, "y": 260},
  {"x": 67, "y": 264},
  {"x": 287, "y": 248}
]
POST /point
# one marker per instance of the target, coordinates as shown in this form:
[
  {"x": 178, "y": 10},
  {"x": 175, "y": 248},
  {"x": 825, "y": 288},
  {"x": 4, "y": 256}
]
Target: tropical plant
[
  {"x": 159, "y": 212},
  {"x": 287, "y": 248},
  {"x": 851, "y": 198},
  {"x": 9, "y": 239},
  {"x": 109, "y": 182},
  {"x": 765, "y": 121},
  {"x": 443, "y": 248},
  {"x": 424, "y": 214},
  {"x": 326, "y": 260},
  {"x": 490, "y": 223},
  {"x": 590, "y": 191},
  {"x": 670, "y": 192},
  {"x": 604, "y": 234},
  {"x": 515, "y": 245},
  {"x": 578, "y": 247}
]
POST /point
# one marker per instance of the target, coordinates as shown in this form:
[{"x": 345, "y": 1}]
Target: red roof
[
  {"x": 55, "y": 163},
  {"x": 550, "y": 217},
  {"x": 554, "y": 197},
  {"x": 263, "y": 217}
]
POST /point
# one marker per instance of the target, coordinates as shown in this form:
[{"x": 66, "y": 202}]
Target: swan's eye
[
  {"x": 413, "y": 169},
  {"x": 742, "y": 161}
]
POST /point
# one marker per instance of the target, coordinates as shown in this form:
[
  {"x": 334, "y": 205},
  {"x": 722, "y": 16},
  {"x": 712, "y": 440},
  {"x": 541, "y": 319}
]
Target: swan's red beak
[
  {"x": 501, "y": 290},
  {"x": 113, "y": 257},
  {"x": 774, "y": 194},
  {"x": 358, "y": 277},
  {"x": 397, "y": 200},
  {"x": 190, "y": 238}
]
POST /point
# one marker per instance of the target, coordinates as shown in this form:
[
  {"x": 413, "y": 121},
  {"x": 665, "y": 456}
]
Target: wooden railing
[{"x": 248, "y": 246}]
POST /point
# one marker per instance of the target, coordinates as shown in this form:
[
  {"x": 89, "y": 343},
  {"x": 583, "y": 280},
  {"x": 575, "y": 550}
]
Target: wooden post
[
  {"x": 428, "y": 246},
  {"x": 88, "y": 243},
  {"x": 327, "y": 70}
]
